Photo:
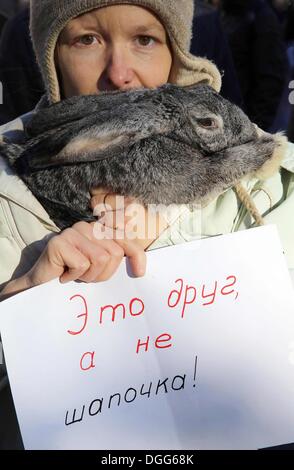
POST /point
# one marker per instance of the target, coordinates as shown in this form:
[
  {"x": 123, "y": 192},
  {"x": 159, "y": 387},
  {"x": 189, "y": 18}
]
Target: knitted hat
[{"x": 49, "y": 17}]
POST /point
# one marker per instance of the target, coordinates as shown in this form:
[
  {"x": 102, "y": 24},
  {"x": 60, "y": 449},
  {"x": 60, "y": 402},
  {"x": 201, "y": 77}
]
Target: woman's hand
[
  {"x": 124, "y": 218},
  {"x": 92, "y": 252},
  {"x": 75, "y": 254}
]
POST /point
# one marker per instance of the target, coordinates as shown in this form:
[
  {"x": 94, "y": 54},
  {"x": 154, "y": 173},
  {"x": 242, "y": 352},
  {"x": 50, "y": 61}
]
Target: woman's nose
[{"x": 118, "y": 73}]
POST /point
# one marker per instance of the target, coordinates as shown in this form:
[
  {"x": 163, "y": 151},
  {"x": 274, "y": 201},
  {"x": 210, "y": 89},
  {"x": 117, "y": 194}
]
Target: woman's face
[{"x": 112, "y": 48}]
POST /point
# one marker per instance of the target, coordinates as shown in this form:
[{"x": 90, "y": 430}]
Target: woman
[
  {"x": 89, "y": 46},
  {"x": 82, "y": 49}
]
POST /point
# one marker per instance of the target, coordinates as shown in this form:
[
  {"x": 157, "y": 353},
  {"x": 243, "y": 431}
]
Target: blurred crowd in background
[{"x": 251, "y": 42}]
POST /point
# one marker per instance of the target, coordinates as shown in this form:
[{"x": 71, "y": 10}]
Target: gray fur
[{"x": 148, "y": 144}]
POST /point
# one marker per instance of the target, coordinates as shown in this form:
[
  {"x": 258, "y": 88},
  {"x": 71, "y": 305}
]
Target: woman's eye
[
  {"x": 86, "y": 40},
  {"x": 145, "y": 40}
]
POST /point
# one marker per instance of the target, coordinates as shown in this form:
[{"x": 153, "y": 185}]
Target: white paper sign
[{"x": 198, "y": 354}]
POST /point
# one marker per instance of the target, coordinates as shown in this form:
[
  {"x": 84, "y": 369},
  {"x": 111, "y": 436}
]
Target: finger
[
  {"x": 131, "y": 216},
  {"x": 114, "y": 219},
  {"x": 104, "y": 202},
  {"x": 114, "y": 252},
  {"x": 115, "y": 256},
  {"x": 112, "y": 266},
  {"x": 74, "y": 263},
  {"x": 97, "y": 256},
  {"x": 136, "y": 256},
  {"x": 96, "y": 231},
  {"x": 61, "y": 260},
  {"x": 99, "y": 191},
  {"x": 85, "y": 229},
  {"x": 131, "y": 248},
  {"x": 103, "y": 233}
]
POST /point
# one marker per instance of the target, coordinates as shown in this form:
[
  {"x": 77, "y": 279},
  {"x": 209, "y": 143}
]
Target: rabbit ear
[
  {"x": 87, "y": 148},
  {"x": 66, "y": 146},
  {"x": 10, "y": 151},
  {"x": 75, "y": 108},
  {"x": 72, "y": 109},
  {"x": 94, "y": 133}
]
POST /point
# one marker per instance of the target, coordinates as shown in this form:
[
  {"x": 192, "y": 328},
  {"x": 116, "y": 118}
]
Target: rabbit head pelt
[{"x": 170, "y": 145}]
